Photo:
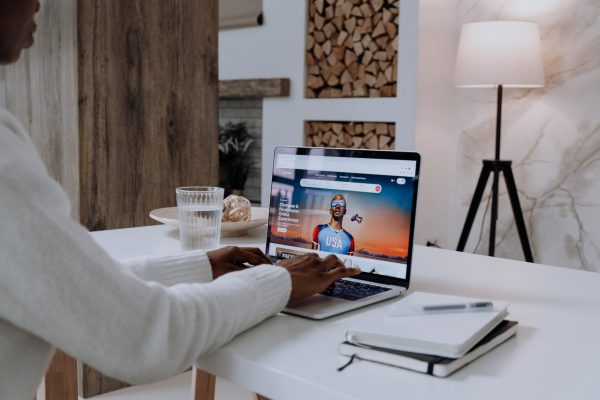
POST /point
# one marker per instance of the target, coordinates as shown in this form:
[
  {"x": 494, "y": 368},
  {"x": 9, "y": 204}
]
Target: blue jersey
[{"x": 333, "y": 240}]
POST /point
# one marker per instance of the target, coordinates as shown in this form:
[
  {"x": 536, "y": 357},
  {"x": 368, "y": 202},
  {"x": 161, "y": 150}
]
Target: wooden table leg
[
  {"x": 61, "y": 378},
  {"x": 203, "y": 385}
]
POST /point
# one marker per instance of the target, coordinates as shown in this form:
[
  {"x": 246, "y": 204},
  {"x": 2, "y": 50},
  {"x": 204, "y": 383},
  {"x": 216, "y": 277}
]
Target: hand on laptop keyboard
[
  {"x": 352, "y": 290},
  {"x": 311, "y": 274},
  {"x": 232, "y": 258}
]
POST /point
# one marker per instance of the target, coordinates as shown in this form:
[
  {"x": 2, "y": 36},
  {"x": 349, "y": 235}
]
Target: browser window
[{"x": 357, "y": 208}]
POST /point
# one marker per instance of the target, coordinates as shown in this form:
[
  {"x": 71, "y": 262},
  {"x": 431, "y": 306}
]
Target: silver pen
[
  {"x": 473, "y": 306},
  {"x": 441, "y": 308}
]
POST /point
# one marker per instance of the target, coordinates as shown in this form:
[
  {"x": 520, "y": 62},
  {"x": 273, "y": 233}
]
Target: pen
[
  {"x": 441, "y": 308},
  {"x": 477, "y": 305}
]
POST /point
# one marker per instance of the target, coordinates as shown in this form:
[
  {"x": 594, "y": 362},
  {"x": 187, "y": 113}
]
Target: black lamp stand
[{"x": 496, "y": 166}]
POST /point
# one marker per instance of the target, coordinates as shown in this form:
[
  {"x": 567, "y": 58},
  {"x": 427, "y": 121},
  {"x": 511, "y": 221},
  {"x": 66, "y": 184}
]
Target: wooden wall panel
[
  {"x": 41, "y": 90},
  {"x": 148, "y": 91},
  {"x": 148, "y": 107}
]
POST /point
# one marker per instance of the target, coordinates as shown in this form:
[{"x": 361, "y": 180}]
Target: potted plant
[{"x": 234, "y": 162}]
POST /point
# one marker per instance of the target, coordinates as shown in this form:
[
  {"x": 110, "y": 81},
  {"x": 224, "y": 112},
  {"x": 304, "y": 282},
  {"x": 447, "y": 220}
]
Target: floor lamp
[{"x": 498, "y": 54}]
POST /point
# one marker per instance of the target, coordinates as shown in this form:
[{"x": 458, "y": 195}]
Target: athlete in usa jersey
[
  {"x": 333, "y": 240},
  {"x": 332, "y": 237}
]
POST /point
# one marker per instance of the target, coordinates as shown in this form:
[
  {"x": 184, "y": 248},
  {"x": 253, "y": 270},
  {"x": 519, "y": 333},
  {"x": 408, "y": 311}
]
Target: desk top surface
[{"x": 554, "y": 354}]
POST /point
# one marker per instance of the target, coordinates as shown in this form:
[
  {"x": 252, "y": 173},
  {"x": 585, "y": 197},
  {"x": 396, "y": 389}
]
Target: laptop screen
[{"x": 357, "y": 204}]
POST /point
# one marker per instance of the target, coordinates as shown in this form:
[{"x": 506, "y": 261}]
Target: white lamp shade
[{"x": 495, "y": 53}]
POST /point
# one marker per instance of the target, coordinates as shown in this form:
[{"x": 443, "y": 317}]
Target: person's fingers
[
  {"x": 330, "y": 259},
  {"x": 307, "y": 258},
  {"x": 258, "y": 252},
  {"x": 253, "y": 256},
  {"x": 343, "y": 272},
  {"x": 331, "y": 262},
  {"x": 235, "y": 267}
]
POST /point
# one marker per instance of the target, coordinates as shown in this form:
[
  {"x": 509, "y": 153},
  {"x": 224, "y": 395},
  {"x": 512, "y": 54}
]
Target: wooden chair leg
[
  {"x": 94, "y": 382},
  {"x": 61, "y": 378},
  {"x": 203, "y": 385}
]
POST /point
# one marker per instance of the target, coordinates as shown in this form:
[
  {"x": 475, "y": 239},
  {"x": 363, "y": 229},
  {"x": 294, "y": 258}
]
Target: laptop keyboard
[{"x": 351, "y": 290}]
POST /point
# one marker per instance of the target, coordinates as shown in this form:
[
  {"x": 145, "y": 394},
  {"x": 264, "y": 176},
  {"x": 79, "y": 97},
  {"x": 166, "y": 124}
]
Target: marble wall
[{"x": 551, "y": 134}]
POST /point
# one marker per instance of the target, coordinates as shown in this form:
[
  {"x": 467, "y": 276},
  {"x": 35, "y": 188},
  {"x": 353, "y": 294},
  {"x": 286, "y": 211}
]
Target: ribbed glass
[{"x": 200, "y": 211}]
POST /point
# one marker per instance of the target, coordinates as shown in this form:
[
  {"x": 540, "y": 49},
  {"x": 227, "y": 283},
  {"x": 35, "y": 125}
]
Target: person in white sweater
[{"x": 139, "y": 320}]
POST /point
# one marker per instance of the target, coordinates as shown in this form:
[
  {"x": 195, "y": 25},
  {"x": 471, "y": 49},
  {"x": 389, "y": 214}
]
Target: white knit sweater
[{"x": 139, "y": 321}]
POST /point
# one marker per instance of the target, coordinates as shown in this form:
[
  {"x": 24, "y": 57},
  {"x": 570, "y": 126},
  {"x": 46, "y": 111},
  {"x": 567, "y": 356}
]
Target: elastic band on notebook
[
  {"x": 343, "y": 367},
  {"x": 430, "y": 368}
]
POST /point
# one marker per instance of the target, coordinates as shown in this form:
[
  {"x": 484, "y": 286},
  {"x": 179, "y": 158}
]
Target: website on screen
[{"x": 356, "y": 208}]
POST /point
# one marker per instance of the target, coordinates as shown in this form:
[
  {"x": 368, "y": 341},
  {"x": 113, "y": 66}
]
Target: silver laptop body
[{"x": 357, "y": 204}]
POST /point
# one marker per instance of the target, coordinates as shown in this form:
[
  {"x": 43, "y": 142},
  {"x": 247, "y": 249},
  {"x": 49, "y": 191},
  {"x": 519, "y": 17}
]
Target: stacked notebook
[{"x": 436, "y": 342}]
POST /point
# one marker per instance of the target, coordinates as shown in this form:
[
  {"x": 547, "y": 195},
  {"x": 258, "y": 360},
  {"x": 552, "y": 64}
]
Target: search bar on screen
[
  {"x": 343, "y": 186},
  {"x": 348, "y": 165}
]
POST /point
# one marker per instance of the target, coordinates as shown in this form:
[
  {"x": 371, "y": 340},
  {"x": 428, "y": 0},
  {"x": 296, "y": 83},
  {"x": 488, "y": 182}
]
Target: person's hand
[
  {"x": 311, "y": 274},
  {"x": 231, "y": 258}
]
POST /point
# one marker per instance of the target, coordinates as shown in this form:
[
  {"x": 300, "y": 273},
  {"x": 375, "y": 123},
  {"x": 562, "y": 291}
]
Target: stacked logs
[
  {"x": 351, "y": 48},
  {"x": 357, "y": 135}
]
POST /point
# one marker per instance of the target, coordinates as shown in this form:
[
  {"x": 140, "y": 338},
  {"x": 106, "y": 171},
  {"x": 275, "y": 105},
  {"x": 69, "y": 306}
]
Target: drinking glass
[{"x": 200, "y": 211}]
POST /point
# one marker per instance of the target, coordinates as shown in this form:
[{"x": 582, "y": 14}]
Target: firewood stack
[
  {"x": 351, "y": 48},
  {"x": 356, "y": 135}
]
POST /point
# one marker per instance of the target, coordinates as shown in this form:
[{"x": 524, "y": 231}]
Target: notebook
[
  {"x": 357, "y": 204},
  {"x": 432, "y": 365},
  {"x": 448, "y": 334}
]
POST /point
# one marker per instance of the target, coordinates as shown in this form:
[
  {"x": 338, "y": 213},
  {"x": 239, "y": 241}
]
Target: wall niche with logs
[
  {"x": 351, "y": 48},
  {"x": 356, "y": 135}
]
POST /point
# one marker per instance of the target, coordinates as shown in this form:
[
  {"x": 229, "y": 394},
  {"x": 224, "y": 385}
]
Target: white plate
[{"x": 170, "y": 216}]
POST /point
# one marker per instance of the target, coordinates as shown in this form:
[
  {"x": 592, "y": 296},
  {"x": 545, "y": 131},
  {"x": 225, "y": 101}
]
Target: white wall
[
  {"x": 436, "y": 136},
  {"x": 551, "y": 134},
  {"x": 276, "y": 49}
]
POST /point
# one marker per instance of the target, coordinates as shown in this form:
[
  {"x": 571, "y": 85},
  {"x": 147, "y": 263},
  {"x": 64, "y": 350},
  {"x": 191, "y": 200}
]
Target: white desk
[{"x": 556, "y": 354}]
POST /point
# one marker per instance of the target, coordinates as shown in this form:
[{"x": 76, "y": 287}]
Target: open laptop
[{"x": 357, "y": 204}]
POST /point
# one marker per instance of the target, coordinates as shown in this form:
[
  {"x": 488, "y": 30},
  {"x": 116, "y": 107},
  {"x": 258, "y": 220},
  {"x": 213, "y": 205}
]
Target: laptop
[{"x": 357, "y": 204}]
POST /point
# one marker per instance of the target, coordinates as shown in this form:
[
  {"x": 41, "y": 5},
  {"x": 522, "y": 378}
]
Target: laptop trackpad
[{"x": 317, "y": 303}]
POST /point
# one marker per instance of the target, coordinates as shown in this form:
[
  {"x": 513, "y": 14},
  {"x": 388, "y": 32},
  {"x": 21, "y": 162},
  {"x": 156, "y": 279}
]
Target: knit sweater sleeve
[
  {"x": 59, "y": 285},
  {"x": 188, "y": 267}
]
